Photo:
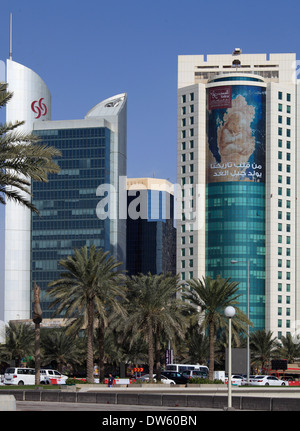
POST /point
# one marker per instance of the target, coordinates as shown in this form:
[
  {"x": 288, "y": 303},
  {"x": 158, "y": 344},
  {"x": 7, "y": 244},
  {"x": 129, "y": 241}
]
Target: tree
[
  {"x": 19, "y": 342},
  {"x": 288, "y": 348},
  {"x": 88, "y": 286},
  {"x": 153, "y": 310},
  {"x": 22, "y": 158},
  {"x": 210, "y": 297},
  {"x": 60, "y": 348},
  {"x": 263, "y": 347}
]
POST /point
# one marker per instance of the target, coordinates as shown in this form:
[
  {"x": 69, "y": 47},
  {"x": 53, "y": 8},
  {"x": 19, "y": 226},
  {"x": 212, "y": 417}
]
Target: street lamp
[
  {"x": 229, "y": 312},
  {"x": 248, "y": 314}
]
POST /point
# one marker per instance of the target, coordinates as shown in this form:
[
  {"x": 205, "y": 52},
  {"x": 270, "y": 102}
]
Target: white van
[
  {"x": 179, "y": 368},
  {"x": 19, "y": 376}
]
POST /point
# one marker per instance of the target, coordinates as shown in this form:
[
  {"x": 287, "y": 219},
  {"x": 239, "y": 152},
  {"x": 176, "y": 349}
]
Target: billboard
[{"x": 236, "y": 133}]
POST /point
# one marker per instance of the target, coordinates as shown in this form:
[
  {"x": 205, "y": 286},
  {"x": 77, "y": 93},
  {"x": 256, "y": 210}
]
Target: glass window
[
  {"x": 280, "y": 95},
  {"x": 183, "y": 98},
  {"x": 288, "y": 97},
  {"x": 280, "y": 107}
]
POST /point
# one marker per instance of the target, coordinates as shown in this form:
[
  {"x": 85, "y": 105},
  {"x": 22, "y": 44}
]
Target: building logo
[{"x": 39, "y": 108}]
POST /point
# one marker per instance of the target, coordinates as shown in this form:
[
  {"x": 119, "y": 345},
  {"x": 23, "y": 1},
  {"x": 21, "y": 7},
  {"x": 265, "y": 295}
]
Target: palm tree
[
  {"x": 61, "y": 348},
  {"x": 19, "y": 342},
  {"x": 153, "y": 310},
  {"x": 262, "y": 347},
  {"x": 89, "y": 284},
  {"x": 210, "y": 298},
  {"x": 22, "y": 158},
  {"x": 288, "y": 349}
]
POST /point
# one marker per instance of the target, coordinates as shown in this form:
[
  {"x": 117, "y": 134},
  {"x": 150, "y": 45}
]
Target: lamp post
[
  {"x": 229, "y": 312},
  {"x": 248, "y": 314}
]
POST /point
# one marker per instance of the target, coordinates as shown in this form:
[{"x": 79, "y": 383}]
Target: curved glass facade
[{"x": 235, "y": 190}]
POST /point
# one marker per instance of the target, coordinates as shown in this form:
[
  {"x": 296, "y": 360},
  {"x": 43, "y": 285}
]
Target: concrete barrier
[
  {"x": 241, "y": 400},
  {"x": 7, "y": 403}
]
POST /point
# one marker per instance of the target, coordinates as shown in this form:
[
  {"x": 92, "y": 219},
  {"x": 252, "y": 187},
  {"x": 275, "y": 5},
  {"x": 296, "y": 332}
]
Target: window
[
  {"x": 183, "y": 98},
  {"x": 288, "y": 109},
  {"x": 279, "y": 155},
  {"x": 288, "y": 121},
  {"x": 280, "y": 107},
  {"x": 191, "y": 109},
  {"x": 280, "y": 95},
  {"x": 191, "y": 97},
  {"x": 280, "y": 119},
  {"x": 183, "y": 110},
  {"x": 280, "y": 131},
  {"x": 288, "y": 97}
]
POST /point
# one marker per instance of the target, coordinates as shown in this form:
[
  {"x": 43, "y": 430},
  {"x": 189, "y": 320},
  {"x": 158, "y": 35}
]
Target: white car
[
  {"x": 236, "y": 380},
  {"x": 54, "y": 376},
  {"x": 267, "y": 381},
  {"x": 164, "y": 379}
]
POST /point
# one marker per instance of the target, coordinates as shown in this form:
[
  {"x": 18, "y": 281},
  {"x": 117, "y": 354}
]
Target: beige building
[{"x": 238, "y": 132}]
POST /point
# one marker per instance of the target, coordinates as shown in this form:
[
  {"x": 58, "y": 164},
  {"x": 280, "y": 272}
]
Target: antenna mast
[{"x": 10, "y": 38}]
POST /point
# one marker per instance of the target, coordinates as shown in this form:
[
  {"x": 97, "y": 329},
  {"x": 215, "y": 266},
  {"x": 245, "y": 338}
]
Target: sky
[{"x": 90, "y": 50}]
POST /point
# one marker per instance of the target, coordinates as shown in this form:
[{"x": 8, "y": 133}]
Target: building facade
[
  {"x": 31, "y": 102},
  {"x": 151, "y": 235},
  {"x": 93, "y": 158},
  {"x": 238, "y": 117}
]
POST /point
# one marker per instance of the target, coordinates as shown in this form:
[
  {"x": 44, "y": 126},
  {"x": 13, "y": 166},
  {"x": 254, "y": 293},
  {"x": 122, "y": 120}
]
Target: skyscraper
[
  {"x": 236, "y": 164},
  {"x": 151, "y": 235},
  {"x": 31, "y": 102}
]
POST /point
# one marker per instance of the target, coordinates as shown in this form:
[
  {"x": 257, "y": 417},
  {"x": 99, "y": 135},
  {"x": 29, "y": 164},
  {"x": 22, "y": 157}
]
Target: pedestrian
[{"x": 110, "y": 380}]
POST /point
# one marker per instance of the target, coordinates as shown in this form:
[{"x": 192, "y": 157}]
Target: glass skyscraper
[
  {"x": 91, "y": 157},
  {"x": 151, "y": 235}
]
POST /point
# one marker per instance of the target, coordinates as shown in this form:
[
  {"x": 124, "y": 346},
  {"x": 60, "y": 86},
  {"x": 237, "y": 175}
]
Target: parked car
[
  {"x": 21, "y": 376},
  {"x": 191, "y": 374},
  {"x": 244, "y": 381},
  {"x": 236, "y": 380},
  {"x": 164, "y": 379},
  {"x": 54, "y": 376},
  {"x": 178, "y": 378},
  {"x": 267, "y": 381}
]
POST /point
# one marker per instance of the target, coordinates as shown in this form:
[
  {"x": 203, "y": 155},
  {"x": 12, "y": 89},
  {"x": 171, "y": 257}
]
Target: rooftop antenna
[{"x": 10, "y": 38}]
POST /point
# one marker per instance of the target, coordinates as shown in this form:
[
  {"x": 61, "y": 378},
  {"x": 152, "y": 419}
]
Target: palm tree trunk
[
  {"x": 37, "y": 354},
  {"x": 90, "y": 344},
  {"x": 211, "y": 350},
  {"x": 157, "y": 354},
  {"x": 101, "y": 351},
  {"x": 150, "y": 352}
]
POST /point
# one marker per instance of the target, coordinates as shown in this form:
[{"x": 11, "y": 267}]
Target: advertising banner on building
[{"x": 236, "y": 133}]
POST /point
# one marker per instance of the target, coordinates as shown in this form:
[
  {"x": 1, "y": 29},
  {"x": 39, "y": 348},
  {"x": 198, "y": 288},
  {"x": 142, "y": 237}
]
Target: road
[{"x": 27, "y": 406}]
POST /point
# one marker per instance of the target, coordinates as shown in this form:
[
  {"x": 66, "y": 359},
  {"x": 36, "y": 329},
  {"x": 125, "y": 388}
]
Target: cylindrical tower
[
  {"x": 31, "y": 102},
  {"x": 235, "y": 186}
]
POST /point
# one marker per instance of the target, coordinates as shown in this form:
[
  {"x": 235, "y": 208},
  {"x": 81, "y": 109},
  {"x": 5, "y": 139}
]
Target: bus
[{"x": 179, "y": 368}]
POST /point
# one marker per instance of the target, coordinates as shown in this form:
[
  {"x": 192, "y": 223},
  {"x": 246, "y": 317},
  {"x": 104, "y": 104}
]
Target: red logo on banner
[
  {"x": 219, "y": 97},
  {"x": 39, "y": 108}
]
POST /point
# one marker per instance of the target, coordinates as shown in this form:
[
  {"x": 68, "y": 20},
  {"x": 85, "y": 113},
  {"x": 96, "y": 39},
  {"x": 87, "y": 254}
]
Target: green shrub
[{"x": 201, "y": 380}]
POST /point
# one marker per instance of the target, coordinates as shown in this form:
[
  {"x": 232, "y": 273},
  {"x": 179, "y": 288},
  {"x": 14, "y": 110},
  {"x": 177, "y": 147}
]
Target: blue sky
[{"x": 89, "y": 50}]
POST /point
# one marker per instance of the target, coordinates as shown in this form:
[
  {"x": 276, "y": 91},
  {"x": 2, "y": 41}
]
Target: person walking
[{"x": 110, "y": 380}]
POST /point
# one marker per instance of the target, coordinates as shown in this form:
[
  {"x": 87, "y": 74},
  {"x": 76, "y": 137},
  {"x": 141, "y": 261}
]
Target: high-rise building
[
  {"x": 151, "y": 235},
  {"x": 31, "y": 102},
  {"x": 93, "y": 158},
  {"x": 238, "y": 118},
  {"x": 71, "y": 215}
]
